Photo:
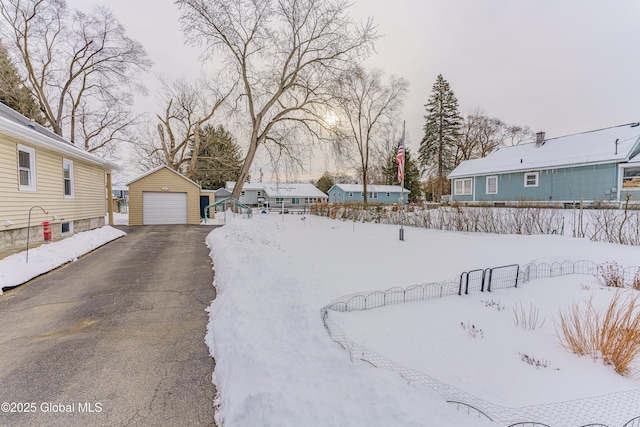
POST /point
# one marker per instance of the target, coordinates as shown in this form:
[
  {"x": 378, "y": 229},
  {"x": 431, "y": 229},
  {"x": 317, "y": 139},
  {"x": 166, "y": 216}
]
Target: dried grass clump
[
  {"x": 613, "y": 335},
  {"x": 524, "y": 320}
]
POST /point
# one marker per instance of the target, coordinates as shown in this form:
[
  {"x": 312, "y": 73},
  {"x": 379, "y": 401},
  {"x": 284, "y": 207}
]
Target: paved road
[{"x": 114, "y": 339}]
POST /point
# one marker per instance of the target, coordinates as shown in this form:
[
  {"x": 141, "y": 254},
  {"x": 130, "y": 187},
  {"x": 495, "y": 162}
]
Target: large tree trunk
[
  {"x": 364, "y": 187},
  {"x": 244, "y": 172}
]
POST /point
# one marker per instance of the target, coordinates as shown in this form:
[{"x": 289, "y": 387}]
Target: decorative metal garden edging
[{"x": 620, "y": 409}]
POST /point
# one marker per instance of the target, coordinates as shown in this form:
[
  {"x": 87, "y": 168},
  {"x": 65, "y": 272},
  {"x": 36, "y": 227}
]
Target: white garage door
[{"x": 164, "y": 208}]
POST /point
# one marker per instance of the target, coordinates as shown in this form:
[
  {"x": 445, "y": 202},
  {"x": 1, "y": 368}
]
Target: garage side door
[{"x": 164, "y": 208}]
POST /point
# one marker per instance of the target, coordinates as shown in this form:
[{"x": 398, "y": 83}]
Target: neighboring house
[
  {"x": 163, "y": 196},
  {"x": 222, "y": 193},
  {"x": 597, "y": 166},
  {"x": 290, "y": 196},
  {"x": 120, "y": 198},
  {"x": 353, "y": 193},
  {"x": 40, "y": 169}
]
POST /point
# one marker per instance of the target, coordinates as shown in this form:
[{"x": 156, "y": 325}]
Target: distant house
[
  {"x": 597, "y": 166},
  {"x": 353, "y": 193},
  {"x": 40, "y": 169},
  {"x": 279, "y": 195}
]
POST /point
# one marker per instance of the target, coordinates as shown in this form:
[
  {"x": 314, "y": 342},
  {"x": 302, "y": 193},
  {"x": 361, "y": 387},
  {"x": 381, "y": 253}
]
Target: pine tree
[
  {"x": 411, "y": 173},
  {"x": 443, "y": 122},
  {"x": 13, "y": 92},
  {"x": 219, "y": 158}
]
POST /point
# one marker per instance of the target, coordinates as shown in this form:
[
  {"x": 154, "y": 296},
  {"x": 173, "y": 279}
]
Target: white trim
[
  {"x": 621, "y": 180},
  {"x": 462, "y": 190},
  {"x": 66, "y": 233},
  {"x": 537, "y": 176},
  {"x": 67, "y": 162},
  {"x": 32, "y": 168},
  {"x": 149, "y": 172},
  {"x": 43, "y": 141},
  {"x": 487, "y": 184}
]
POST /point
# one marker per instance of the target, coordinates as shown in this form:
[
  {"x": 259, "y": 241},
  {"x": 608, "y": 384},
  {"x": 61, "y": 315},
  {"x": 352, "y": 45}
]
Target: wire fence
[{"x": 613, "y": 410}]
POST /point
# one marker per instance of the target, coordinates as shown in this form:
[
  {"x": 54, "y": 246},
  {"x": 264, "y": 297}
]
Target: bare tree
[
  {"x": 176, "y": 140},
  {"x": 366, "y": 107},
  {"x": 81, "y": 68},
  {"x": 285, "y": 53},
  {"x": 481, "y": 134}
]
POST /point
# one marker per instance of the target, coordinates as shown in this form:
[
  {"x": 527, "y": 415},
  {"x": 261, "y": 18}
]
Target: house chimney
[{"x": 539, "y": 139}]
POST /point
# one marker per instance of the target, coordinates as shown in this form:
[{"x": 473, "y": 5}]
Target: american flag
[{"x": 400, "y": 160}]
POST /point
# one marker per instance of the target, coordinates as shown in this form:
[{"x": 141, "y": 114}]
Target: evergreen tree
[
  {"x": 219, "y": 158},
  {"x": 443, "y": 122},
  {"x": 325, "y": 182},
  {"x": 411, "y": 173},
  {"x": 13, "y": 92}
]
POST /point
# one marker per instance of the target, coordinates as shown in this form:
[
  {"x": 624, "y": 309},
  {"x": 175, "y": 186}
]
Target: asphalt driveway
[{"x": 115, "y": 338}]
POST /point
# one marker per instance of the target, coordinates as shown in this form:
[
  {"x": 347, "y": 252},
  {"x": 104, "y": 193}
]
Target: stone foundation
[{"x": 15, "y": 240}]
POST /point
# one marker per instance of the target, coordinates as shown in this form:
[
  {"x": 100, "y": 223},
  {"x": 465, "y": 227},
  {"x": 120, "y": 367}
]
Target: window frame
[
  {"x": 31, "y": 186},
  {"x": 488, "y": 178},
  {"x": 532, "y": 174},
  {"x": 461, "y": 191},
  {"x": 630, "y": 178},
  {"x": 69, "y": 231},
  {"x": 71, "y": 195}
]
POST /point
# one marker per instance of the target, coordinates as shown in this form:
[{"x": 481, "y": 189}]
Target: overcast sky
[{"x": 559, "y": 66}]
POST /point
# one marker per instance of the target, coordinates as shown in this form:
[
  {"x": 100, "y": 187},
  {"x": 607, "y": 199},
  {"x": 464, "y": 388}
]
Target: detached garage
[{"x": 163, "y": 196}]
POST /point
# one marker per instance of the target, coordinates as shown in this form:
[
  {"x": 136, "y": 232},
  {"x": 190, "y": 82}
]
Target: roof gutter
[{"x": 32, "y": 137}]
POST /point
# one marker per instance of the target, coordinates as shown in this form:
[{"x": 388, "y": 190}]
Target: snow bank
[{"x": 14, "y": 270}]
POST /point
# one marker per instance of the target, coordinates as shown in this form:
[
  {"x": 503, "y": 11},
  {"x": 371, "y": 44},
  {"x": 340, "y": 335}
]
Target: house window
[
  {"x": 531, "y": 179},
  {"x": 631, "y": 178},
  {"x": 259, "y": 193},
  {"x": 350, "y": 194},
  {"x": 295, "y": 201},
  {"x": 26, "y": 168},
  {"x": 462, "y": 187},
  {"x": 66, "y": 227},
  {"x": 388, "y": 194},
  {"x": 492, "y": 184},
  {"x": 373, "y": 195},
  {"x": 279, "y": 200},
  {"x": 67, "y": 172},
  {"x": 242, "y": 193}
]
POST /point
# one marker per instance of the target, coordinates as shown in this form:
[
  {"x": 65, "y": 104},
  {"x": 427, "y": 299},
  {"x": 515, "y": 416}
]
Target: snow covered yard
[{"x": 276, "y": 364}]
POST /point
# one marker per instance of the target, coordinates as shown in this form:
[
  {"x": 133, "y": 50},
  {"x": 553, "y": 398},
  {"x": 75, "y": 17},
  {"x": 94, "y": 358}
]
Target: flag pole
[{"x": 401, "y": 165}]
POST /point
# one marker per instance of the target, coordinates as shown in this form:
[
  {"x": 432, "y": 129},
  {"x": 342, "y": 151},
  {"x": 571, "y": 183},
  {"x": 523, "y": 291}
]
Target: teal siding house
[
  {"x": 352, "y": 193},
  {"x": 597, "y": 166}
]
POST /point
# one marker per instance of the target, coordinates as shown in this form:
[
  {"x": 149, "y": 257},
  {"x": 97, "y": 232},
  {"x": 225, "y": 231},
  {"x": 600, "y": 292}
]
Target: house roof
[
  {"x": 282, "y": 189},
  {"x": 371, "y": 187},
  {"x": 293, "y": 190},
  {"x": 614, "y": 144},
  {"x": 154, "y": 170},
  {"x": 23, "y": 129}
]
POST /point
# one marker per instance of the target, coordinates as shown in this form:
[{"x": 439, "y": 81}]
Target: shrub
[
  {"x": 610, "y": 274},
  {"x": 613, "y": 335},
  {"x": 635, "y": 282}
]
